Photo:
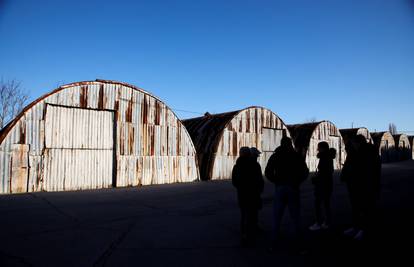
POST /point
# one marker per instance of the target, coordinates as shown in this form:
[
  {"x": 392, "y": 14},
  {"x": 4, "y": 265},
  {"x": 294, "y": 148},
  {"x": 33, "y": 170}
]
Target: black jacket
[
  {"x": 362, "y": 171},
  {"x": 248, "y": 180},
  {"x": 286, "y": 167},
  {"x": 323, "y": 178}
]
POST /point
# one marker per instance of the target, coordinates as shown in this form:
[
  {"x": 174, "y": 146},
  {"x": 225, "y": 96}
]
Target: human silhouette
[
  {"x": 286, "y": 169},
  {"x": 248, "y": 180},
  {"x": 362, "y": 173},
  {"x": 323, "y": 186}
]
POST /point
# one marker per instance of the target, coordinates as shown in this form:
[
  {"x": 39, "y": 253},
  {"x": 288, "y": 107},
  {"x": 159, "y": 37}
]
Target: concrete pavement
[{"x": 195, "y": 224}]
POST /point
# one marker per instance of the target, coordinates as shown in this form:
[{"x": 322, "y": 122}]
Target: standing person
[
  {"x": 255, "y": 154},
  {"x": 248, "y": 180},
  {"x": 323, "y": 186},
  {"x": 362, "y": 173},
  {"x": 286, "y": 169}
]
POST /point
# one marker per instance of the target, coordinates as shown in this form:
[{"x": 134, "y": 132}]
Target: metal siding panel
[
  {"x": 68, "y": 167},
  {"x": 86, "y": 134},
  {"x": 5, "y": 159}
]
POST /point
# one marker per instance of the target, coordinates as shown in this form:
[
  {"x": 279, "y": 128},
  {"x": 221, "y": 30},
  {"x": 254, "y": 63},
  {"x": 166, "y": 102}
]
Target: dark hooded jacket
[{"x": 248, "y": 180}]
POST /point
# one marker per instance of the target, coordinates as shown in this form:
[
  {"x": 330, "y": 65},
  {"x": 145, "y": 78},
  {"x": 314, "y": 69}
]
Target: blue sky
[{"x": 346, "y": 61}]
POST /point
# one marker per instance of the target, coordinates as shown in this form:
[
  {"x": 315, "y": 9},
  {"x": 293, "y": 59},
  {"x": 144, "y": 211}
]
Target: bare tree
[
  {"x": 12, "y": 100},
  {"x": 392, "y": 128}
]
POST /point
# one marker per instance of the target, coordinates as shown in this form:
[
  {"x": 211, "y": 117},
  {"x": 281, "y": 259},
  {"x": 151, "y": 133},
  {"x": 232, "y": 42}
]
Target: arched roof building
[
  {"x": 385, "y": 144},
  {"x": 349, "y": 134},
  {"x": 403, "y": 146},
  {"x": 95, "y": 134},
  {"x": 219, "y": 137},
  {"x": 307, "y": 136}
]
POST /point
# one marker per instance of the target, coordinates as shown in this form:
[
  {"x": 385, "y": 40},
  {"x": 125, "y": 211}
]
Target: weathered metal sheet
[
  {"x": 67, "y": 169},
  {"x": 76, "y": 128},
  {"x": 307, "y": 137},
  {"x": 79, "y": 148},
  {"x": 136, "y": 136},
  {"x": 385, "y": 144},
  {"x": 219, "y": 137},
  {"x": 20, "y": 167},
  {"x": 403, "y": 147}
]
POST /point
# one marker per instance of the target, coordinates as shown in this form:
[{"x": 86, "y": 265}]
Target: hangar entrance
[
  {"x": 79, "y": 148},
  {"x": 270, "y": 141}
]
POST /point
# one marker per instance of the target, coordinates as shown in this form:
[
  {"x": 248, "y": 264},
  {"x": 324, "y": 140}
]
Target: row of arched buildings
[{"x": 101, "y": 134}]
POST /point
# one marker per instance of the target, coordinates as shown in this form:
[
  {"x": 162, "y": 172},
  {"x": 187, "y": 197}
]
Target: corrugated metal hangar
[
  {"x": 95, "y": 134},
  {"x": 219, "y": 137}
]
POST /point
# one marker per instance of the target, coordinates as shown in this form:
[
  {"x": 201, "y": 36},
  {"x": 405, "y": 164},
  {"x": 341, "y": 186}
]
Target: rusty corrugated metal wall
[
  {"x": 95, "y": 134},
  {"x": 349, "y": 134},
  {"x": 385, "y": 144},
  {"x": 307, "y": 136},
  {"x": 403, "y": 147},
  {"x": 219, "y": 137}
]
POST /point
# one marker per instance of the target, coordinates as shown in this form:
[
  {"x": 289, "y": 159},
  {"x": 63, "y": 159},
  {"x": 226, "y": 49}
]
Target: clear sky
[{"x": 348, "y": 61}]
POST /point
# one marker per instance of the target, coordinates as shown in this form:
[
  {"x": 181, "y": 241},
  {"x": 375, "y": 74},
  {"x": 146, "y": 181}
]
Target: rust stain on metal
[
  {"x": 157, "y": 113},
  {"x": 178, "y": 140},
  {"x": 101, "y": 103},
  {"x": 116, "y": 106},
  {"x": 145, "y": 111},
  {"x": 22, "y": 132},
  {"x": 83, "y": 97},
  {"x": 128, "y": 112},
  {"x": 131, "y": 140},
  {"x": 152, "y": 143},
  {"x": 121, "y": 139}
]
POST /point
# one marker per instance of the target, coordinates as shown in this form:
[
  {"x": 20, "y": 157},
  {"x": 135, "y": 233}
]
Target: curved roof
[
  {"x": 206, "y": 133},
  {"x": 398, "y": 137},
  {"x": 302, "y": 133},
  {"x": 352, "y": 133},
  {"x": 378, "y": 136},
  {"x": 9, "y": 126}
]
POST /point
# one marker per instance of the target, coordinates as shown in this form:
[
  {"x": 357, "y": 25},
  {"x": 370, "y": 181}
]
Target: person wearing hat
[{"x": 248, "y": 180}]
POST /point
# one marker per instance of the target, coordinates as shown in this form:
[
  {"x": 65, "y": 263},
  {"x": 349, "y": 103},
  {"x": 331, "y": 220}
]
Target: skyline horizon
[{"x": 197, "y": 114}]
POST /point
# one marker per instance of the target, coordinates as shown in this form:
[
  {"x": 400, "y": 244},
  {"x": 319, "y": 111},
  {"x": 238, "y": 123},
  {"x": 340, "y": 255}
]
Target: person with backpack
[{"x": 286, "y": 169}]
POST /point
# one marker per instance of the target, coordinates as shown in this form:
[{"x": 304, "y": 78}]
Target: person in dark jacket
[
  {"x": 248, "y": 180},
  {"x": 362, "y": 173},
  {"x": 286, "y": 169},
  {"x": 323, "y": 186}
]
